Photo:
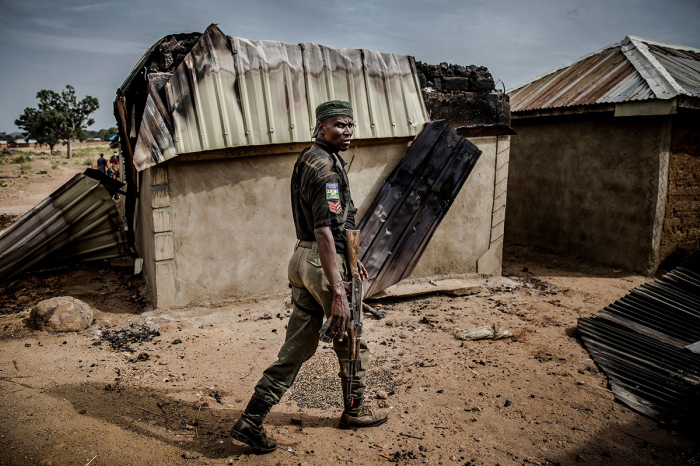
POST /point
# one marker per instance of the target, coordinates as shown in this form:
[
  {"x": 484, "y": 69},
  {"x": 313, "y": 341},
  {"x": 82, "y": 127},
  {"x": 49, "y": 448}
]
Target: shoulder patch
[{"x": 332, "y": 191}]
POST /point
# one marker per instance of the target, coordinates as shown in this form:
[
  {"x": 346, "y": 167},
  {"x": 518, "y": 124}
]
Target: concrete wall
[
  {"x": 681, "y": 229},
  {"x": 233, "y": 231},
  {"x": 591, "y": 185}
]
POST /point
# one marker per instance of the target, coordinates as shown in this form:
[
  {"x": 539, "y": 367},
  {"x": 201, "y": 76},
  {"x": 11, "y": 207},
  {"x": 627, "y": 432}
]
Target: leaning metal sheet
[
  {"x": 412, "y": 202},
  {"x": 233, "y": 92},
  {"x": 79, "y": 221}
]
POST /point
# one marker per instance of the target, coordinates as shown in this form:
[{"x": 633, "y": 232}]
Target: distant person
[
  {"x": 102, "y": 164},
  {"x": 114, "y": 165}
]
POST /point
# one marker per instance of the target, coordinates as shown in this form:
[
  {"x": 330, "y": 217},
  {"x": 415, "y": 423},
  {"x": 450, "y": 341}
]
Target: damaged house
[
  {"x": 606, "y": 164},
  {"x": 212, "y": 125}
]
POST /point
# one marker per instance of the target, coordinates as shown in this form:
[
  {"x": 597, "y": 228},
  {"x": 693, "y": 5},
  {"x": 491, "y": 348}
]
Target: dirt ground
[
  {"x": 171, "y": 398},
  {"x": 147, "y": 387}
]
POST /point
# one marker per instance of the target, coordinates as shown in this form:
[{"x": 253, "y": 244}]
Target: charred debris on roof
[{"x": 465, "y": 96}]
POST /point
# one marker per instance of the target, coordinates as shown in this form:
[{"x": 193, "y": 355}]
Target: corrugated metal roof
[
  {"x": 78, "y": 221},
  {"x": 232, "y": 92},
  {"x": 633, "y": 69},
  {"x": 643, "y": 342},
  {"x": 682, "y": 64}
]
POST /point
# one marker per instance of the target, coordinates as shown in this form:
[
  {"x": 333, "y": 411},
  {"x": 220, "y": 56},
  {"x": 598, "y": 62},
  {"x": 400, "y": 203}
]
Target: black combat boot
[
  {"x": 249, "y": 430},
  {"x": 360, "y": 415}
]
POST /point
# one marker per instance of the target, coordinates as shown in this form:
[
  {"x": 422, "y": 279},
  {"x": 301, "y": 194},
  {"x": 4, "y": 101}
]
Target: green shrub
[
  {"x": 54, "y": 166},
  {"x": 21, "y": 159},
  {"x": 64, "y": 163},
  {"x": 42, "y": 172}
]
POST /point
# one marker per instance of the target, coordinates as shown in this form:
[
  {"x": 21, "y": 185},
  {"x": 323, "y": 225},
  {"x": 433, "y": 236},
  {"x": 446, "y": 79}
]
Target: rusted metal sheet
[
  {"x": 643, "y": 342},
  {"x": 683, "y": 64},
  {"x": 412, "y": 202},
  {"x": 77, "y": 222},
  {"x": 232, "y": 92},
  {"x": 633, "y": 69}
]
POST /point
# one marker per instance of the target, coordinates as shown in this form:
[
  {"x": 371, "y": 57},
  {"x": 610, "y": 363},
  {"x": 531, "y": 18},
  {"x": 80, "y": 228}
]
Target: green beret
[{"x": 330, "y": 109}]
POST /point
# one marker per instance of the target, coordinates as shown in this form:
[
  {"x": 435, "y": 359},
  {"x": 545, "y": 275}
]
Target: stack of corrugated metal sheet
[
  {"x": 648, "y": 345},
  {"x": 412, "y": 202},
  {"x": 78, "y": 222},
  {"x": 233, "y": 92}
]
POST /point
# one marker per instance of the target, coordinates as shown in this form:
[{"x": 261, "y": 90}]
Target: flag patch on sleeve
[
  {"x": 334, "y": 206},
  {"x": 332, "y": 191}
]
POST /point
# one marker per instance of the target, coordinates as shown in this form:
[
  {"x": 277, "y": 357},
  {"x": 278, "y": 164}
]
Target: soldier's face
[{"x": 337, "y": 131}]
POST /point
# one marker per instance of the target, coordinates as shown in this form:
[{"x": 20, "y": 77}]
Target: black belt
[{"x": 305, "y": 244}]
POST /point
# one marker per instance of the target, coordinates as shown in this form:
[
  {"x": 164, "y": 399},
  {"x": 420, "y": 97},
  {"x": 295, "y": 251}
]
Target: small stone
[
  {"x": 382, "y": 395},
  {"x": 27, "y": 345},
  {"x": 296, "y": 420},
  {"x": 525, "y": 269},
  {"x": 62, "y": 314},
  {"x": 82, "y": 411},
  {"x": 506, "y": 404},
  {"x": 188, "y": 455},
  {"x": 177, "y": 341},
  {"x": 143, "y": 356}
]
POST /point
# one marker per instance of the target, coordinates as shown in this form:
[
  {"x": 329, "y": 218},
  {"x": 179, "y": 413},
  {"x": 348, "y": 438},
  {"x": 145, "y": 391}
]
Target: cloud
[
  {"x": 50, "y": 23},
  {"x": 82, "y": 44},
  {"x": 88, "y": 7}
]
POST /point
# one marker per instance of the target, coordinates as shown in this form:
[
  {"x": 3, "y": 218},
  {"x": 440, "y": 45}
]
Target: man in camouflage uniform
[{"x": 323, "y": 210}]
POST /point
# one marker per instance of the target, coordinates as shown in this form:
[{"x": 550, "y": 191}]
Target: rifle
[{"x": 355, "y": 330}]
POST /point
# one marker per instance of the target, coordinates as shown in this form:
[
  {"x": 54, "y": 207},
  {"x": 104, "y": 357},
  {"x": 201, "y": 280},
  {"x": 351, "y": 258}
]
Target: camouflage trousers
[{"x": 312, "y": 298}]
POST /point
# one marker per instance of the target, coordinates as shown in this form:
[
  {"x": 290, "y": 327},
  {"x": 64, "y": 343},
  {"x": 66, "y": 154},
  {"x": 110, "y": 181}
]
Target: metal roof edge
[
  {"x": 664, "y": 44},
  {"x": 658, "y": 79},
  {"x": 566, "y": 65}
]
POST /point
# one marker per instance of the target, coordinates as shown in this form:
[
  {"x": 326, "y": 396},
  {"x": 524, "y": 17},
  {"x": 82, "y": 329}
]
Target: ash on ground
[
  {"x": 318, "y": 386},
  {"x": 120, "y": 339}
]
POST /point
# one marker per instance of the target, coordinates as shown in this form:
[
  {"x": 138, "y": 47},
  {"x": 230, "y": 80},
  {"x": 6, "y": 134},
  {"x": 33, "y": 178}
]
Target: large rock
[{"x": 62, "y": 314}]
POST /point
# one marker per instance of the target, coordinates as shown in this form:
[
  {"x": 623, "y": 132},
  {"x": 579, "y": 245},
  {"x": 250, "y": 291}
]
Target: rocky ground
[{"x": 146, "y": 387}]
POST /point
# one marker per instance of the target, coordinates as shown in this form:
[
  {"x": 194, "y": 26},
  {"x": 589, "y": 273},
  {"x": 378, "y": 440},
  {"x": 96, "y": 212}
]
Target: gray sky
[{"x": 46, "y": 44}]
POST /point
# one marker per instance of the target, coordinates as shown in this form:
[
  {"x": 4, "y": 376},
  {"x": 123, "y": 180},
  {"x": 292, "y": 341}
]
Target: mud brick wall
[
  {"x": 681, "y": 231},
  {"x": 462, "y": 95}
]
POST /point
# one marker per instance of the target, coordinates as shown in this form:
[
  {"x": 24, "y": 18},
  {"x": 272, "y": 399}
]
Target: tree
[
  {"x": 105, "y": 134},
  {"x": 60, "y": 115},
  {"x": 43, "y": 126},
  {"x": 6, "y": 137}
]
